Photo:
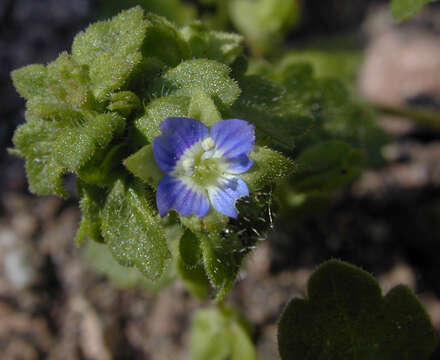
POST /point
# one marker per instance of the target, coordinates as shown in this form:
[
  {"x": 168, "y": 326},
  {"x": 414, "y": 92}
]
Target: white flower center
[{"x": 201, "y": 165}]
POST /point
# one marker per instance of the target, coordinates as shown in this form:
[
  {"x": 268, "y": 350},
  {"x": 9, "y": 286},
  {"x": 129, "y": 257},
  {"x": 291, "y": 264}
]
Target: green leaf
[
  {"x": 189, "y": 248},
  {"x": 77, "y": 143},
  {"x": 57, "y": 91},
  {"x": 109, "y": 72},
  {"x": 203, "y": 108},
  {"x": 68, "y": 81},
  {"x": 112, "y": 50},
  {"x": 104, "y": 167},
  {"x": 336, "y": 114},
  {"x": 225, "y": 246},
  {"x": 220, "y": 335},
  {"x": 132, "y": 229},
  {"x": 404, "y": 9},
  {"x": 124, "y": 102},
  {"x": 346, "y": 317},
  {"x": 221, "y": 262},
  {"x": 50, "y": 108},
  {"x": 34, "y": 142},
  {"x": 144, "y": 166},
  {"x": 174, "y": 10},
  {"x": 208, "y": 75},
  {"x": 341, "y": 64},
  {"x": 92, "y": 200},
  {"x": 30, "y": 80},
  {"x": 101, "y": 259},
  {"x": 269, "y": 168},
  {"x": 280, "y": 118},
  {"x": 190, "y": 266},
  {"x": 164, "y": 41},
  {"x": 263, "y": 21},
  {"x": 326, "y": 166},
  {"x": 194, "y": 278},
  {"x": 214, "y": 45},
  {"x": 157, "y": 111}
]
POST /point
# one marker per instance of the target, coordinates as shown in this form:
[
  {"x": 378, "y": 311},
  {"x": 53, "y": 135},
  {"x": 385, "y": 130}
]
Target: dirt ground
[{"x": 53, "y": 305}]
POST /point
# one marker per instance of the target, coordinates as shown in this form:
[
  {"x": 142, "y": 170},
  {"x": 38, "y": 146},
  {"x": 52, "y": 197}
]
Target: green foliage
[
  {"x": 30, "y": 81},
  {"x": 190, "y": 266},
  {"x": 133, "y": 231},
  {"x": 225, "y": 247},
  {"x": 404, "y": 9},
  {"x": 330, "y": 110},
  {"x": 144, "y": 166},
  {"x": 269, "y": 167},
  {"x": 203, "y": 108},
  {"x": 111, "y": 49},
  {"x": 215, "y": 45},
  {"x": 164, "y": 41},
  {"x": 263, "y": 21},
  {"x": 101, "y": 259},
  {"x": 220, "y": 335},
  {"x": 77, "y": 143},
  {"x": 279, "y": 117},
  {"x": 335, "y": 63},
  {"x": 34, "y": 141},
  {"x": 174, "y": 10},
  {"x": 346, "y": 317},
  {"x": 158, "y": 110},
  {"x": 92, "y": 200},
  {"x": 207, "y": 75},
  {"x": 326, "y": 166},
  {"x": 95, "y": 114}
]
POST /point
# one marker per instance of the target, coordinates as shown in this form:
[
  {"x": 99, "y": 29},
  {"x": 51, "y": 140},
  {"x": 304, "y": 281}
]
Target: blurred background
[{"x": 55, "y": 305}]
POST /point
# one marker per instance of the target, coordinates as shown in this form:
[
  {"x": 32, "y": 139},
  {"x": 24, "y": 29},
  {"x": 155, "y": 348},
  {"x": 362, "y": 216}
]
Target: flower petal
[
  {"x": 233, "y": 137},
  {"x": 178, "y": 134},
  {"x": 240, "y": 164},
  {"x": 173, "y": 193},
  {"x": 224, "y": 196}
]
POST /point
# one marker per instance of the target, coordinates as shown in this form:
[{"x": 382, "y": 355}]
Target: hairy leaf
[
  {"x": 208, "y": 75},
  {"x": 221, "y": 262},
  {"x": 133, "y": 231},
  {"x": 101, "y": 259},
  {"x": 346, "y": 317},
  {"x": 104, "y": 167},
  {"x": 144, "y": 166},
  {"x": 190, "y": 266},
  {"x": 92, "y": 200},
  {"x": 280, "y": 118},
  {"x": 224, "y": 248},
  {"x": 203, "y": 108},
  {"x": 76, "y": 144},
  {"x": 214, "y": 45},
  {"x": 124, "y": 102},
  {"x": 164, "y": 41},
  {"x": 269, "y": 168},
  {"x": 336, "y": 114},
  {"x": 30, "y": 80},
  {"x": 111, "y": 49},
  {"x": 157, "y": 111},
  {"x": 59, "y": 91},
  {"x": 34, "y": 142}
]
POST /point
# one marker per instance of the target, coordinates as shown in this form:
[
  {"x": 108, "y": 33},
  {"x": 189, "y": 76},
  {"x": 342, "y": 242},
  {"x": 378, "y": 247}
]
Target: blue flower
[{"x": 201, "y": 165}]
